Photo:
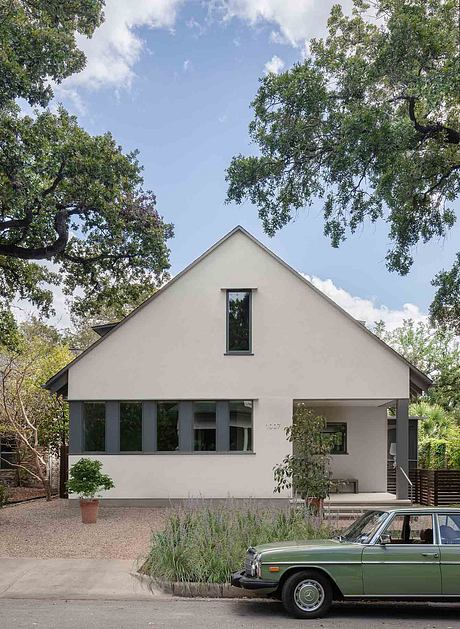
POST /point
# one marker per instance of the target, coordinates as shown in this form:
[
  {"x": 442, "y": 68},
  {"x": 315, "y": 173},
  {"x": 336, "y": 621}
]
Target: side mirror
[{"x": 384, "y": 539}]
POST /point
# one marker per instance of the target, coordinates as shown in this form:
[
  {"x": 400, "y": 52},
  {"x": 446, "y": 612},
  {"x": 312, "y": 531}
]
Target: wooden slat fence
[{"x": 437, "y": 487}]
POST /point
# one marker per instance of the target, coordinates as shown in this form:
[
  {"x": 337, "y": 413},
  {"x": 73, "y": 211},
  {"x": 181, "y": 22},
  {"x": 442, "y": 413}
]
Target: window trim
[
  {"x": 228, "y": 351},
  {"x": 345, "y": 441}
]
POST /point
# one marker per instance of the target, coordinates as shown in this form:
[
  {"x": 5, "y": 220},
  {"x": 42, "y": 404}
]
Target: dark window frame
[
  {"x": 228, "y": 351},
  {"x": 185, "y": 427},
  {"x": 344, "y": 447}
]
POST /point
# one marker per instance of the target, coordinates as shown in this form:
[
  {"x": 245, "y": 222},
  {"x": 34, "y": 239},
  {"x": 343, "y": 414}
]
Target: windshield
[{"x": 364, "y": 528}]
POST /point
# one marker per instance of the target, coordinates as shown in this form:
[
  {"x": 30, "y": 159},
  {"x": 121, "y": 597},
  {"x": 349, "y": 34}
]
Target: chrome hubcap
[{"x": 309, "y": 595}]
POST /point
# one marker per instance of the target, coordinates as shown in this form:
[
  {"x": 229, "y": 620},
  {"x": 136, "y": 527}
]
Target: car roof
[{"x": 416, "y": 510}]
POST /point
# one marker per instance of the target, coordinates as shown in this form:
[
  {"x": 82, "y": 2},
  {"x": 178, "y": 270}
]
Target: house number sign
[{"x": 273, "y": 426}]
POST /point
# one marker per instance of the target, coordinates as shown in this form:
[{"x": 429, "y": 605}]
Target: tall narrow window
[
  {"x": 94, "y": 426},
  {"x": 131, "y": 426},
  {"x": 239, "y": 321},
  {"x": 240, "y": 425},
  {"x": 167, "y": 426},
  {"x": 204, "y": 425}
]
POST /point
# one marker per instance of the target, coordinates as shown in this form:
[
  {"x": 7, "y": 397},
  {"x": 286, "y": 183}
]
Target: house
[{"x": 189, "y": 395}]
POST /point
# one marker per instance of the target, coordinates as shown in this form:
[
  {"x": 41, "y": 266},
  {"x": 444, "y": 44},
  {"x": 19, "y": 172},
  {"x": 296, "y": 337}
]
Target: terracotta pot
[
  {"x": 316, "y": 504},
  {"x": 88, "y": 510}
]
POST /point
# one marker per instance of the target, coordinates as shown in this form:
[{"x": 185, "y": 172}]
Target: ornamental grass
[{"x": 206, "y": 543}]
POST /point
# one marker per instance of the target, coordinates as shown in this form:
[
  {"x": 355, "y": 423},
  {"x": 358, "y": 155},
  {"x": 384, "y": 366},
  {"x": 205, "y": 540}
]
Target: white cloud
[
  {"x": 296, "y": 19},
  {"x": 366, "y": 309},
  {"x": 116, "y": 45},
  {"x": 274, "y": 66},
  {"x": 187, "y": 65}
]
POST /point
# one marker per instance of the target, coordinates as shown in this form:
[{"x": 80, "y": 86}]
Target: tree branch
[{"x": 452, "y": 136}]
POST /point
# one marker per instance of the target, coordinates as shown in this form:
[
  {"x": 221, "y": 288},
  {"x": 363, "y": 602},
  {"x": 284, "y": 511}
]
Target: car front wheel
[{"x": 307, "y": 595}]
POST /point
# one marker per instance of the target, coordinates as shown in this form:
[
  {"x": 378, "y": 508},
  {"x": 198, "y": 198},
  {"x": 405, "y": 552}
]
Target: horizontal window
[
  {"x": 338, "y": 434},
  {"x": 167, "y": 426},
  {"x": 131, "y": 426},
  {"x": 164, "y": 426},
  {"x": 94, "y": 426}
]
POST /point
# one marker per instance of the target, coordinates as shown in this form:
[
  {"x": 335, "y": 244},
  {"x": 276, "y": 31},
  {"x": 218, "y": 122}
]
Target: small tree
[
  {"x": 86, "y": 479},
  {"x": 37, "y": 420},
  {"x": 307, "y": 468}
]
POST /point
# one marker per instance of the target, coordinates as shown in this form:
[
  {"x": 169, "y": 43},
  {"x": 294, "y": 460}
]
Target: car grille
[{"x": 248, "y": 563}]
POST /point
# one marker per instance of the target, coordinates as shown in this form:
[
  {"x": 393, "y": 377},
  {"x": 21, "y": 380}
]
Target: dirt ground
[{"x": 52, "y": 530}]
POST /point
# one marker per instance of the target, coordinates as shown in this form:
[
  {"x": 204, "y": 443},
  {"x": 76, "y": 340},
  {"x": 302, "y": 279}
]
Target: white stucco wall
[
  {"x": 174, "y": 347},
  {"x": 366, "y": 444}
]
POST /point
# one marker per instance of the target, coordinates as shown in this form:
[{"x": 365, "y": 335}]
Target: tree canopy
[
  {"x": 39, "y": 44},
  {"x": 370, "y": 124},
  {"x": 74, "y": 212},
  {"x": 436, "y": 352}
]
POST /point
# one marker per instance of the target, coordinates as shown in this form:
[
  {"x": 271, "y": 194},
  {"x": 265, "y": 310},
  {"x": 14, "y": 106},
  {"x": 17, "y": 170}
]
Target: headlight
[{"x": 255, "y": 566}]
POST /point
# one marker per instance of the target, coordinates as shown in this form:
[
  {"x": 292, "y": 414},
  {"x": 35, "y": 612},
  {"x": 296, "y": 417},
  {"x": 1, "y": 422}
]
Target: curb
[{"x": 196, "y": 590}]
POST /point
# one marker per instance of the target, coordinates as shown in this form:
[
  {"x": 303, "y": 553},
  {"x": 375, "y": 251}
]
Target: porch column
[{"x": 402, "y": 448}]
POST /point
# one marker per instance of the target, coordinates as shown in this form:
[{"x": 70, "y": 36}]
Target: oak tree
[{"x": 370, "y": 124}]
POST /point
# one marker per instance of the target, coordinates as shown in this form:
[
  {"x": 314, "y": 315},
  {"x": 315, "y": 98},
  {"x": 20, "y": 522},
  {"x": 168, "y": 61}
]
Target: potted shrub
[
  {"x": 87, "y": 480},
  {"x": 307, "y": 468}
]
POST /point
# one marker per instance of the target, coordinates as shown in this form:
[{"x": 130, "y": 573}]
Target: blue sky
[{"x": 175, "y": 79}]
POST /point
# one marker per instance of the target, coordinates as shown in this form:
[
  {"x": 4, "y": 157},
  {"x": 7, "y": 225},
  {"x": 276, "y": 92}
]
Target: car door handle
[{"x": 435, "y": 555}]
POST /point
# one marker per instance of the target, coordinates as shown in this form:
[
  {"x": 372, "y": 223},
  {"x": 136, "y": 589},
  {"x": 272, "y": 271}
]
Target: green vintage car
[{"x": 402, "y": 554}]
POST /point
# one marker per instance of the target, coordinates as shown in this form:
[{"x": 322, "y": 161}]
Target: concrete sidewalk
[{"x": 67, "y": 579}]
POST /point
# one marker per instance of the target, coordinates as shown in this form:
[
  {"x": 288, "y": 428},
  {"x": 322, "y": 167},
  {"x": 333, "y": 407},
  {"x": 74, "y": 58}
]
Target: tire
[{"x": 307, "y": 594}]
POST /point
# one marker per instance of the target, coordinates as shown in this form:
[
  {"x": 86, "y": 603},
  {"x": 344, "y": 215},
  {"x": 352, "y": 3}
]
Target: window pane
[
  {"x": 131, "y": 426},
  {"x": 449, "y": 528},
  {"x": 411, "y": 529},
  {"x": 338, "y": 433},
  {"x": 167, "y": 426},
  {"x": 7, "y": 452},
  {"x": 238, "y": 321},
  {"x": 94, "y": 426},
  {"x": 204, "y": 424},
  {"x": 240, "y": 425}
]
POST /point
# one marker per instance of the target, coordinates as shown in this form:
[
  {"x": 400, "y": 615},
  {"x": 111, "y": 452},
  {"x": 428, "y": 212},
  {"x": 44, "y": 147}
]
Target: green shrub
[
  {"x": 206, "y": 544},
  {"x": 87, "y": 480},
  {"x": 3, "y": 495}
]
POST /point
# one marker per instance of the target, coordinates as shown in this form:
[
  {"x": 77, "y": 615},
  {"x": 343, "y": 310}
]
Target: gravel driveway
[{"x": 53, "y": 530}]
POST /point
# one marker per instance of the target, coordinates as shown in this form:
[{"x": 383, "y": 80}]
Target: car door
[
  {"x": 449, "y": 535},
  {"x": 409, "y": 564}
]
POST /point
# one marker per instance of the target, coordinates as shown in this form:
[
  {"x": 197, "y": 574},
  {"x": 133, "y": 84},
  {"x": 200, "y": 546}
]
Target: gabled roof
[{"x": 58, "y": 382}]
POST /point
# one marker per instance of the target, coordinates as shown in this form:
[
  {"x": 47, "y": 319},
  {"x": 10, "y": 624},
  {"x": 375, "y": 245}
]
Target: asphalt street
[{"x": 190, "y": 613}]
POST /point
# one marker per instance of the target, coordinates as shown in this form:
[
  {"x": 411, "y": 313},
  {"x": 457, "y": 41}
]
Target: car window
[
  {"x": 365, "y": 527},
  {"x": 449, "y": 528},
  {"x": 411, "y": 529}
]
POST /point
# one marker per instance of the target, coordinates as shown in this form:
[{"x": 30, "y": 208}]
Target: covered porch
[{"x": 360, "y": 462}]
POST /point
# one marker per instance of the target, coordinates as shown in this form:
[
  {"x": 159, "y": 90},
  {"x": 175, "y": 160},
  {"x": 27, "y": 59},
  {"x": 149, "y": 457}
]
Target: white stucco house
[{"x": 189, "y": 395}]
